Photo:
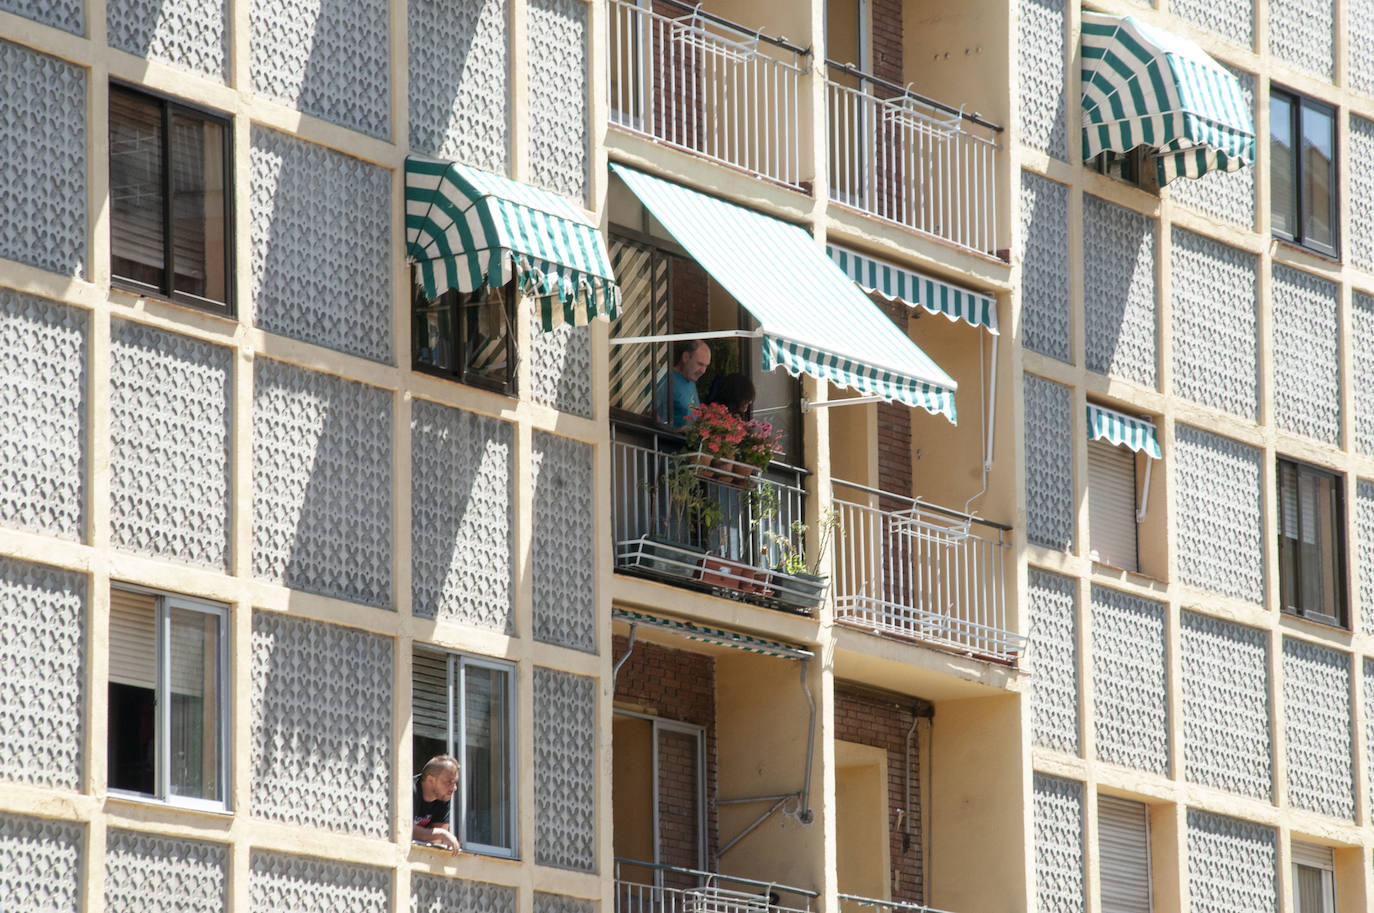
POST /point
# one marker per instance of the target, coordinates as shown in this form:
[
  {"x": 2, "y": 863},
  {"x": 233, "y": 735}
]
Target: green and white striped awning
[
  {"x": 466, "y": 227},
  {"x": 718, "y": 636},
  {"x": 1136, "y": 433},
  {"x": 1144, "y": 86},
  {"x": 912, "y": 288},
  {"x": 813, "y": 319}
]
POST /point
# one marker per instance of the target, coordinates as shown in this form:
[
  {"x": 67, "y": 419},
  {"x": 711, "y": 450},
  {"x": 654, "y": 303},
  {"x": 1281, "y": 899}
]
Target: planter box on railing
[
  {"x": 797, "y": 591},
  {"x": 662, "y": 556}
]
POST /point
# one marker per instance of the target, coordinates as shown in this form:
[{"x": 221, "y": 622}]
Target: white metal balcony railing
[
  {"x": 922, "y": 571},
  {"x": 701, "y": 83},
  {"x": 910, "y": 159},
  {"x": 883, "y": 906},
  {"x": 677, "y": 890},
  {"x": 657, "y": 536}
]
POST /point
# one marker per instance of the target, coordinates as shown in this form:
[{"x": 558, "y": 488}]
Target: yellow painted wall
[
  {"x": 978, "y": 804},
  {"x": 953, "y": 52},
  {"x": 632, "y": 793}
]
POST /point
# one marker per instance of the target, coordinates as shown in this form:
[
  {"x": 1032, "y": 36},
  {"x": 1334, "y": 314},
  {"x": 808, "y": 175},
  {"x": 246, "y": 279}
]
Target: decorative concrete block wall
[
  {"x": 561, "y": 368},
  {"x": 439, "y": 894},
  {"x": 151, "y": 874},
  {"x": 1359, "y": 240},
  {"x": 1227, "y": 742},
  {"x": 327, "y": 58},
  {"x": 42, "y": 675},
  {"x": 321, "y": 483},
  {"x": 1119, "y": 300},
  {"x": 560, "y": 903},
  {"x": 1218, "y": 507},
  {"x": 1231, "y": 864},
  {"x": 461, "y": 110},
  {"x": 1042, "y": 35},
  {"x": 1362, "y": 354},
  {"x": 1215, "y": 323},
  {"x": 43, "y": 160},
  {"x": 1368, "y": 709},
  {"x": 1045, "y": 325},
  {"x": 1307, "y": 371},
  {"x": 1302, "y": 34},
  {"x": 1359, "y": 46},
  {"x": 1053, "y": 604},
  {"x": 281, "y": 883},
  {"x": 69, "y": 15},
  {"x": 558, "y": 52},
  {"x": 43, "y": 398},
  {"x": 462, "y": 522},
  {"x": 1364, "y": 552},
  {"x": 320, "y": 223},
  {"x": 564, "y": 770},
  {"x": 1049, "y": 463},
  {"x": 1227, "y": 196},
  {"x": 40, "y": 864},
  {"x": 1233, "y": 20},
  {"x": 1057, "y": 810},
  {"x": 1321, "y": 749},
  {"x": 564, "y": 545},
  {"x": 190, "y": 35},
  {"x": 170, "y": 420},
  {"x": 321, "y": 726},
  {"x": 1130, "y": 681}
]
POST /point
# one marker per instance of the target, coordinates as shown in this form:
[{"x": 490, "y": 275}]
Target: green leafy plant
[
  {"x": 790, "y": 547},
  {"x": 691, "y": 503}
]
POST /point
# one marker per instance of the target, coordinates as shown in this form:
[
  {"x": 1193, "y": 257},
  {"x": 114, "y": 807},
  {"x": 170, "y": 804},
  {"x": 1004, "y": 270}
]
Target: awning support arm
[
  {"x": 991, "y": 381},
  {"x": 807, "y": 405},
  {"x": 1144, "y": 492},
  {"x": 674, "y": 337}
]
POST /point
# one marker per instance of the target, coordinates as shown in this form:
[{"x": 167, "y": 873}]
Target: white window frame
[
  {"x": 455, "y": 745},
  {"x": 163, "y": 603},
  {"x": 1095, "y": 510},
  {"x": 1316, "y": 858}
]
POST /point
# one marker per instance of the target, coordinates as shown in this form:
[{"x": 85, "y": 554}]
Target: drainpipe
[
  {"x": 629, "y": 648},
  {"x": 805, "y": 816}
]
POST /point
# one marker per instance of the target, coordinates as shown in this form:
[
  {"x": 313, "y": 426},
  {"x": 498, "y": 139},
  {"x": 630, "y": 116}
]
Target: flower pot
[
  {"x": 735, "y": 473},
  {"x": 732, "y": 574},
  {"x": 798, "y": 591}
]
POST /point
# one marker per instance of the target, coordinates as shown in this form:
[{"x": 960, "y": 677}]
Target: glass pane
[
  {"x": 132, "y": 722},
  {"x": 1318, "y": 176},
  {"x": 1282, "y": 197},
  {"x": 486, "y": 756},
  {"x": 194, "y": 707},
  {"x": 486, "y": 332},
  {"x": 1288, "y": 535},
  {"x": 198, "y": 213},
  {"x": 1307, "y": 890},
  {"x": 136, "y": 198},
  {"x": 433, "y": 330}
]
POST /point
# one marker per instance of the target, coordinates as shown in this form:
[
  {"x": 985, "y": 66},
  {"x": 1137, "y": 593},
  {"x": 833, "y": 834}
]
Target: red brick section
[
  {"x": 689, "y": 284},
  {"x": 675, "y": 685},
  {"x": 870, "y": 720},
  {"x": 887, "y": 65},
  {"x": 678, "y": 89}
]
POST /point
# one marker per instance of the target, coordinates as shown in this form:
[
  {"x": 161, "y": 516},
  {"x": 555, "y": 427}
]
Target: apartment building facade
[{"x": 334, "y": 342}]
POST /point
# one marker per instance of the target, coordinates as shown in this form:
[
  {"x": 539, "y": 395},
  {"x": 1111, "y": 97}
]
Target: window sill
[
  {"x": 439, "y": 849},
  {"x": 1321, "y": 621},
  {"x": 1323, "y": 257},
  {"x": 140, "y": 298},
  {"x": 216, "y": 811}
]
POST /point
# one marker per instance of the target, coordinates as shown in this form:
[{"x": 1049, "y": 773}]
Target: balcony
[
  {"x": 646, "y": 887},
  {"x": 910, "y": 569},
  {"x": 700, "y": 83},
  {"x": 719, "y": 543},
  {"x": 912, "y": 160},
  {"x": 852, "y": 903}
]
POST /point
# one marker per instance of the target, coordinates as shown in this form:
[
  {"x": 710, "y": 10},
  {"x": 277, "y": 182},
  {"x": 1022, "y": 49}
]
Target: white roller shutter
[
  {"x": 1111, "y": 505},
  {"x": 1316, "y": 857},
  {"x": 1123, "y": 852},
  {"x": 133, "y": 639},
  {"x": 429, "y": 702}
]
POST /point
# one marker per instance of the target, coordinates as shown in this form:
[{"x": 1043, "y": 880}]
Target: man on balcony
[{"x": 677, "y": 393}]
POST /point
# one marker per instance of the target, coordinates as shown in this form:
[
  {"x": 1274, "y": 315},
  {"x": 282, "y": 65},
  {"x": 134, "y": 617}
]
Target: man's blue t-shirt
[{"x": 683, "y": 396}]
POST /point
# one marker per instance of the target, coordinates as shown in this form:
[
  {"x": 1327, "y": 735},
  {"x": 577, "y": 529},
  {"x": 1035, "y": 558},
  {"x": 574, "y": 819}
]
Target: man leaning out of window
[{"x": 432, "y": 800}]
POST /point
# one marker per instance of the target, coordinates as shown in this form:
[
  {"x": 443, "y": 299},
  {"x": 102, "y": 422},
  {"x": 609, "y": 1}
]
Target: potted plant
[
  {"x": 795, "y": 581},
  {"x": 671, "y": 548},
  {"x": 714, "y": 432},
  {"x": 758, "y": 446}
]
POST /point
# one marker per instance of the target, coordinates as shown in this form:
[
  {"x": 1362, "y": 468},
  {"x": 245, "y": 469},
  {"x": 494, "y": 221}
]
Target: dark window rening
[
  {"x": 1311, "y": 543},
  {"x": 1303, "y": 197}
]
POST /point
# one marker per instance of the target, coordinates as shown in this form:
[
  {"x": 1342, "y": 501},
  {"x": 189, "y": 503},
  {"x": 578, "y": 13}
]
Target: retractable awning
[
  {"x": 466, "y": 227},
  {"x": 1145, "y": 86},
  {"x": 897, "y": 283},
  {"x": 1138, "y": 434},
  {"x": 813, "y": 318},
  {"x": 718, "y": 636}
]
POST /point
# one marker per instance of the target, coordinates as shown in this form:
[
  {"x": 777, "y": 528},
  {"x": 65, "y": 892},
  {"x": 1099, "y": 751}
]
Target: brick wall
[
  {"x": 675, "y": 685},
  {"x": 869, "y": 720},
  {"x": 679, "y": 92},
  {"x": 690, "y": 288},
  {"x": 886, "y": 19}
]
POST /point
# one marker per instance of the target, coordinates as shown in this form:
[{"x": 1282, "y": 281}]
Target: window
[
  {"x": 465, "y": 707},
  {"x": 1302, "y": 171},
  {"x": 1136, "y": 167},
  {"x": 1314, "y": 889},
  {"x": 659, "y": 801},
  {"x": 168, "y": 718},
  {"x": 1311, "y": 543},
  {"x": 1123, "y": 844},
  {"x": 1112, "y": 535},
  {"x": 469, "y": 337},
  {"x": 169, "y": 200}
]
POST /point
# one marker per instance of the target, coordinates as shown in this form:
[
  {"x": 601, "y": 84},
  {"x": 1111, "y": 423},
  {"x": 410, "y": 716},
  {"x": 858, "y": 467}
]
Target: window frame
[
  {"x": 166, "y": 289},
  {"x": 163, "y": 604},
  {"x": 1326, "y": 869},
  {"x": 1298, "y": 105},
  {"x": 462, "y": 371},
  {"x": 456, "y": 662},
  {"x": 1097, "y": 512},
  {"x": 1337, "y": 546}
]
